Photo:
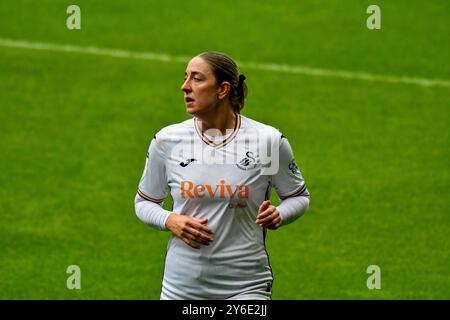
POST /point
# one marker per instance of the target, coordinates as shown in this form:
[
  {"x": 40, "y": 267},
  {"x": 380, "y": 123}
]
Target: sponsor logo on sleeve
[{"x": 293, "y": 167}]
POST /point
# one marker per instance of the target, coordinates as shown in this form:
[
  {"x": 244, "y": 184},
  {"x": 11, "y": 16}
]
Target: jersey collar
[{"x": 205, "y": 139}]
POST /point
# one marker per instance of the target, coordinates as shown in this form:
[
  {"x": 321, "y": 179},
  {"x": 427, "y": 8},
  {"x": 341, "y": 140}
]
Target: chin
[
  {"x": 190, "y": 109},
  {"x": 193, "y": 110}
]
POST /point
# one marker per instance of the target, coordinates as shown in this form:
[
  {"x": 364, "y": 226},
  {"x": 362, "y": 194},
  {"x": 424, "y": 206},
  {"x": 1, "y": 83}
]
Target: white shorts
[{"x": 253, "y": 295}]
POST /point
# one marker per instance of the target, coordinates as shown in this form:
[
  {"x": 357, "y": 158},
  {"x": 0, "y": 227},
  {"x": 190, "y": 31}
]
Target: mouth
[{"x": 188, "y": 100}]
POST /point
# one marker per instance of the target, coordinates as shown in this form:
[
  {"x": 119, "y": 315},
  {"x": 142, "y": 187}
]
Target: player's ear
[{"x": 223, "y": 90}]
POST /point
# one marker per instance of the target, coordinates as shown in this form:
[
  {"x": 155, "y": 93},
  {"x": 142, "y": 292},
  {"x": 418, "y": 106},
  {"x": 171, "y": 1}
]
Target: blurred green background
[{"x": 75, "y": 128}]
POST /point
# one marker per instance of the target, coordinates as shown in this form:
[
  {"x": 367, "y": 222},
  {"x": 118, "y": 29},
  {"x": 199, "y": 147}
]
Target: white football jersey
[{"x": 224, "y": 179}]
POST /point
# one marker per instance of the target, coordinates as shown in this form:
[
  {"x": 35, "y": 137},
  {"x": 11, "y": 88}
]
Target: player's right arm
[
  {"x": 152, "y": 189},
  {"x": 150, "y": 196}
]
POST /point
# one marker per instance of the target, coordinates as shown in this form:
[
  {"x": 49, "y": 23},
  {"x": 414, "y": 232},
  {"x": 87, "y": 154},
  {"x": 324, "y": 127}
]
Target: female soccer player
[{"x": 219, "y": 167}]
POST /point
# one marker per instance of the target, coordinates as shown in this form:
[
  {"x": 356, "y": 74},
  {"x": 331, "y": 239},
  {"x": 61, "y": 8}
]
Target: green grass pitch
[{"x": 74, "y": 131}]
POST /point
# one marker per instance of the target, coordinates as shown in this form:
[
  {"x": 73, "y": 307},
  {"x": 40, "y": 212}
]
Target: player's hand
[
  {"x": 268, "y": 216},
  {"x": 191, "y": 230}
]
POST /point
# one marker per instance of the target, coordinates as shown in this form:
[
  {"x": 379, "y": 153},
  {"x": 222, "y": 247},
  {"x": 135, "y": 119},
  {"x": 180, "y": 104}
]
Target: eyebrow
[{"x": 194, "y": 73}]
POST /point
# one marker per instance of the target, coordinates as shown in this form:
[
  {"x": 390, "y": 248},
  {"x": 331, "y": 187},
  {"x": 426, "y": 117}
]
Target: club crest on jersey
[
  {"x": 248, "y": 162},
  {"x": 293, "y": 167}
]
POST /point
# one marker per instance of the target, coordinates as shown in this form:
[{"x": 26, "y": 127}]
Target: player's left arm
[{"x": 291, "y": 189}]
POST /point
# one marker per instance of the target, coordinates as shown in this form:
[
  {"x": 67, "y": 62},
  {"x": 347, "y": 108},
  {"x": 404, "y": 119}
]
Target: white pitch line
[{"x": 251, "y": 65}]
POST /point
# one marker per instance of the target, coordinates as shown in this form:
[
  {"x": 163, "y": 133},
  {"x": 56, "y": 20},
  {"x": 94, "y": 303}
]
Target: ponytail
[{"x": 241, "y": 93}]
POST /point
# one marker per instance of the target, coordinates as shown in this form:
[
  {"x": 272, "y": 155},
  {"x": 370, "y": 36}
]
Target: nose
[{"x": 185, "y": 87}]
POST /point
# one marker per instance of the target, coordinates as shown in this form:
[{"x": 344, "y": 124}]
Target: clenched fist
[{"x": 268, "y": 216}]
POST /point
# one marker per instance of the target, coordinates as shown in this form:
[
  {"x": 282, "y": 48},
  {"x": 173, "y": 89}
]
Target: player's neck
[{"x": 221, "y": 118}]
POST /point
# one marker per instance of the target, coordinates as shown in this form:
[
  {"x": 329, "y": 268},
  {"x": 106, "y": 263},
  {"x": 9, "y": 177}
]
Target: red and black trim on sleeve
[
  {"x": 146, "y": 197},
  {"x": 295, "y": 193}
]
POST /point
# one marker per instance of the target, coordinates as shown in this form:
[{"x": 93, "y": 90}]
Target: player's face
[{"x": 199, "y": 87}]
